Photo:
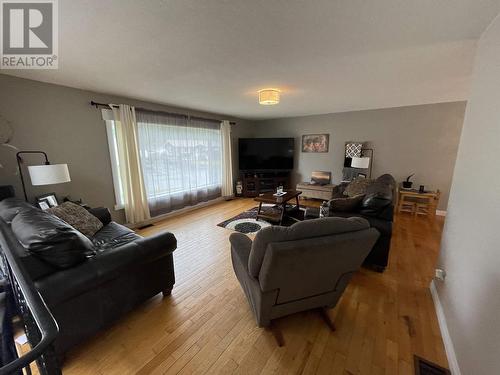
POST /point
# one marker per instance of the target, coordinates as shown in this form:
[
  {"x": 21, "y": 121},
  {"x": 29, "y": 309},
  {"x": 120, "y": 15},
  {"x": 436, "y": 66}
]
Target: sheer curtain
[{"x": 181, "y": 160}]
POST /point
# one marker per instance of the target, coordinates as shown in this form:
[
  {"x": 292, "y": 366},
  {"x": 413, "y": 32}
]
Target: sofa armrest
[
  {"x": 102, "y": 213},
  {"x": 164, "y": 242},
  {"x": 240, "y": 242},
  {"x": 240, "y": 247}
]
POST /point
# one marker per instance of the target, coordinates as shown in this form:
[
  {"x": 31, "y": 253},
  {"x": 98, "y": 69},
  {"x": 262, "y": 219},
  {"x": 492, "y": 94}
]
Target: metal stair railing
[{"x": 40, "y": 326}]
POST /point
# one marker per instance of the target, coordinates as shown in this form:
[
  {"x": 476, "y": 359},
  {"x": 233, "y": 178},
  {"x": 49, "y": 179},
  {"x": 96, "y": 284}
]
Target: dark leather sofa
[
  {"x": 87, "y": 283},
  {"x": 377, "y": 207}
]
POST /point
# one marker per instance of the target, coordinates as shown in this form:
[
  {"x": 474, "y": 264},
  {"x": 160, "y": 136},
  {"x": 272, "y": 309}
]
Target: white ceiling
[{"x": 326, "y": 55}]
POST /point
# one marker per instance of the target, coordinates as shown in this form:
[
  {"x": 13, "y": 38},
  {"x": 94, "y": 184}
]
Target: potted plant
[{"x": 407, "y": 184}]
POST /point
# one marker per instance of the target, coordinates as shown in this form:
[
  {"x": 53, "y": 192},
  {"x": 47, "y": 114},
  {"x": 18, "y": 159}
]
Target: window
[{"x": 181, "y": 160}]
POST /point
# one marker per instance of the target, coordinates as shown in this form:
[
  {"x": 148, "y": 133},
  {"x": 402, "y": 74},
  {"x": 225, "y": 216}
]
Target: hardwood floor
[{"x": 206, "y": 326}]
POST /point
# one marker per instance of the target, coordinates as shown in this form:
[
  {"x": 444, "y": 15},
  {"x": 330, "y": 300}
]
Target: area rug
[{"x": 246, "y": 221}]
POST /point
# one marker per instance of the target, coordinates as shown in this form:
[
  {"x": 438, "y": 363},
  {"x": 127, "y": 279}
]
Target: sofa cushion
[
  {"x": 50, "y": 238},
  {"x": 36, "y": 267},
  {"x": 348, "y": 204},
  {"x": 357, "y": 186},
  {"x": 78, "y": 217},
  {"x": 10, "y": 207},
  {"x": 304, "y": 229},
  {"x": 113, "y": 235}
]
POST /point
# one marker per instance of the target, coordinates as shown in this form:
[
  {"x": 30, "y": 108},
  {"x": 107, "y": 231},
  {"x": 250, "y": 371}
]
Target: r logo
[
  {"x": 27, "y": 28},
  {"x": 29, "y": 34}
]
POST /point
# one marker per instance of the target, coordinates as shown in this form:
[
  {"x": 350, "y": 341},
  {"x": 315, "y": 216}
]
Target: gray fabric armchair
[{"x": 308, "y": 265}]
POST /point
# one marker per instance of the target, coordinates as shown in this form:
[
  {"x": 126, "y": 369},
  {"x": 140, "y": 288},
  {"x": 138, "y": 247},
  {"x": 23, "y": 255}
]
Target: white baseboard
[
  {"x": 440, "y": 212},
  {"x": 445, "y": 334}
]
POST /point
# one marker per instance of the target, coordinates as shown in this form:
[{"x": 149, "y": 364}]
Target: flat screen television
[{"x": 265, "y": 154}]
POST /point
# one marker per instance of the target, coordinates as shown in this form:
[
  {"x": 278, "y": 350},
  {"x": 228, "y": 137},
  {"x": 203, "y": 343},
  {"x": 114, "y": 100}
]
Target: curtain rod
[{"x": 104, "y": 105}]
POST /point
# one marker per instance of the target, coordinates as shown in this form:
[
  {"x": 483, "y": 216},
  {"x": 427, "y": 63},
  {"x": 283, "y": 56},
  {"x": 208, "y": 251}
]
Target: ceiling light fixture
[{"x": 269, "y": 96}]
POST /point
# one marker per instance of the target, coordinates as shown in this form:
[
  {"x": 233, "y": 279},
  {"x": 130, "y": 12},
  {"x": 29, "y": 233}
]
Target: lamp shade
[
  {"x": 49, "y": 174},
  {"x": 360, "y": 162}
]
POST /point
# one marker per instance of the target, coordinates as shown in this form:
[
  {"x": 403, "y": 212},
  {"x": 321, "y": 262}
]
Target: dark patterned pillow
[
  {"x": 346, "y": 204},
  {"x": 357, "y": 186},
  {"x": 78, "y": 217}
]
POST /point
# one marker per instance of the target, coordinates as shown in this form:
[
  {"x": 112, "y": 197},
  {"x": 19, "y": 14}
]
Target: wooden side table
[{"x": 418, "y": 203}]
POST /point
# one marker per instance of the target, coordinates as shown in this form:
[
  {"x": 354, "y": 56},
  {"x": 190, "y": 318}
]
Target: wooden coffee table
[{"x": 278, "y": 201}]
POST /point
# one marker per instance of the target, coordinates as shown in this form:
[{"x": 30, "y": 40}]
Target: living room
[{"x": 143, "y": 225}]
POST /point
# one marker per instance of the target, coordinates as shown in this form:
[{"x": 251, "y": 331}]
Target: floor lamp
[{"x": 45, "y": 174}]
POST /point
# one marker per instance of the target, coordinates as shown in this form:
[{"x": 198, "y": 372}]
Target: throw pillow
[
  {"x": 349, "y": 204},
  {"x": 78, "y": 217},
  {"x": 357, "y": 187}
]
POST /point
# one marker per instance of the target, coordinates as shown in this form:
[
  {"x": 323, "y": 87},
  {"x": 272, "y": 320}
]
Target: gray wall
[
  {"x": 470, "y": 253},
  {"x": 417, "y": 139},
  {"x": 60, "y": 121}
]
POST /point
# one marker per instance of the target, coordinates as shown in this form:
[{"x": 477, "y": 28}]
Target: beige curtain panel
[
  {"x": 227, "y": 164},
  {"x": 134, "y": 192}
]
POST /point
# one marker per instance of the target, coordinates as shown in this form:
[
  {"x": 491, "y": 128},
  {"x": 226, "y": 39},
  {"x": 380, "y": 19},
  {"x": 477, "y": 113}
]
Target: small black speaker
[{"x": 6, "y": 191}]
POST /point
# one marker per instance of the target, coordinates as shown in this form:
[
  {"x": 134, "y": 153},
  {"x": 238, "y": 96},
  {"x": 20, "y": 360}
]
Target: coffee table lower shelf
[
  {"x": 277, "y": 218},
  {"x": 280, "y": 202}
]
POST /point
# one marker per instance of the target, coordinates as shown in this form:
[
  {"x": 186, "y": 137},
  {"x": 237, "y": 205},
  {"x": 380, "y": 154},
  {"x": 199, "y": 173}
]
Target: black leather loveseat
[
  {"x": 377, "y": 206},
  {"x": 87, "y": 283}
]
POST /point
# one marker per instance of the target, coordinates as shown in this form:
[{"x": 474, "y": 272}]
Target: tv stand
[{"x": 256, "y": 183}]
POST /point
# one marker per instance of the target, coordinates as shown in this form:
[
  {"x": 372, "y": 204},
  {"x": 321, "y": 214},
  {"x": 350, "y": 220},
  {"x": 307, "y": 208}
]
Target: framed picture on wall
[{"x": 315, "y": 142}]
